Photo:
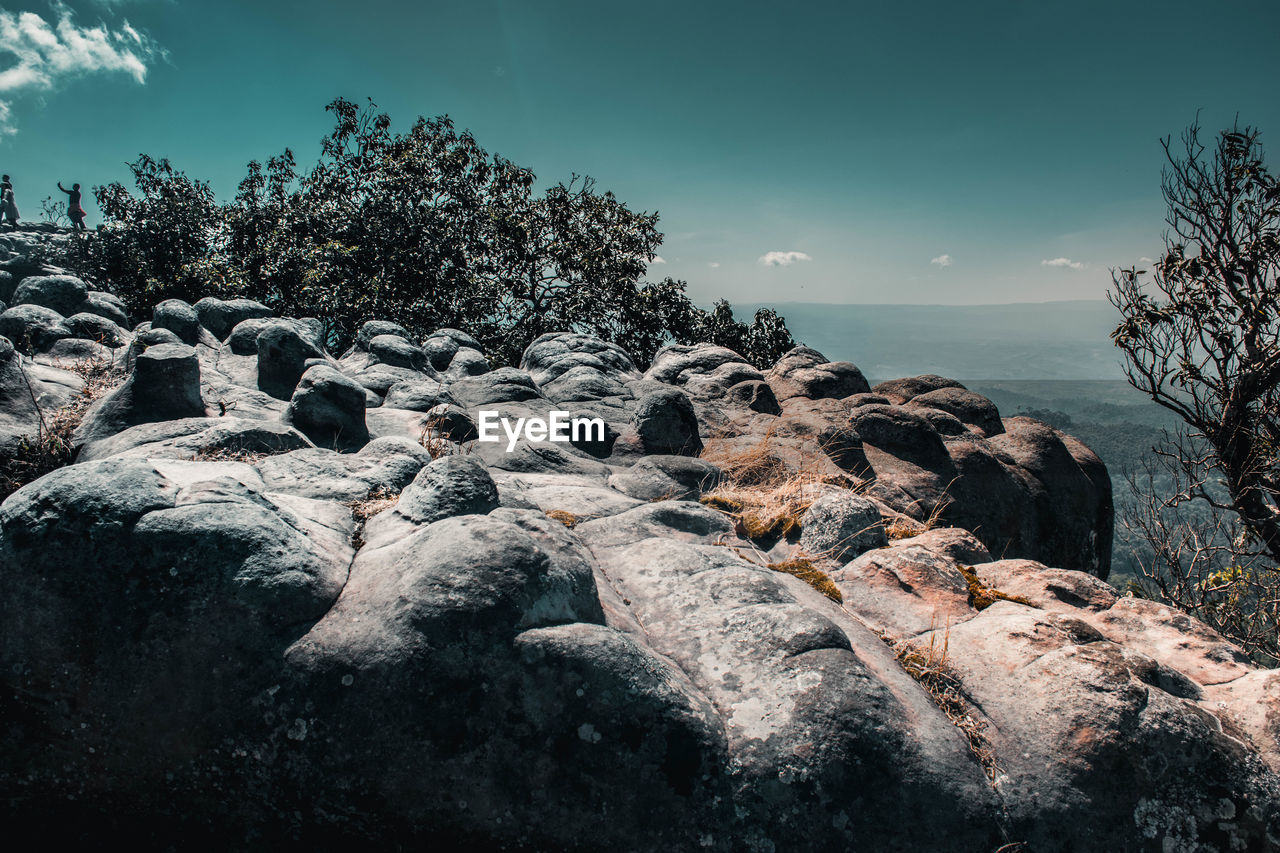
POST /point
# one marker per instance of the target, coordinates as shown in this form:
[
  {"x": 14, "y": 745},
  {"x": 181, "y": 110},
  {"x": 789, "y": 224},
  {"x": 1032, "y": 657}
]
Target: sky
[{"x": 853, "y": 152}]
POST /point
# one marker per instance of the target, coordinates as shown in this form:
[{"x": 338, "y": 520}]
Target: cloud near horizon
[
  {"x": 782, "y": 259},
  {"x": 48, "y": 54},
  {"x": 1063, "y": 263},
  {"x": 942, "y": 261}
]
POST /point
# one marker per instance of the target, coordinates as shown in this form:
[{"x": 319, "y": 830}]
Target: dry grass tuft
[
  {"x": 929, "y": 666},
  {"x": 982, "y": 596},
  {"x": 565, "y": 517},
  {"x": 803, "y": 568},
  {"x": 904, "y": 527},
  {"x": 765, "y": 496},
  {"x": 50, "y": 448},
  {"x": 375, "y": 502}
]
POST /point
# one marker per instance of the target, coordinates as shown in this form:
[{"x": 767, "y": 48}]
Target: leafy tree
[
  {"x": 167, "y": 242},
  {"x": 423, "y": 227},
  {"x": 1201, "y": 337}
]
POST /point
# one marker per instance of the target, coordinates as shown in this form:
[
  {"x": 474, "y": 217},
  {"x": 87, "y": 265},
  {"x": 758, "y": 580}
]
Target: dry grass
[
  {"x": 375, "y": 502},
  {"x": 904, "y": 527},
  {"x": 982, "y": 596},
  {"x": 50, "y": 448},
  {"x": 565, "y": 517},
  {"x": 765, "y": 496},
  {"x": 803, "y": 568},
  {"x": 929, "y": 666}
]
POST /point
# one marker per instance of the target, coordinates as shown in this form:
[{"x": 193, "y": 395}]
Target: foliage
[
  {"x": 54, "y": 212},
  {"x": 1201, "y": 337},
  {"x": 422, "y": 227}
]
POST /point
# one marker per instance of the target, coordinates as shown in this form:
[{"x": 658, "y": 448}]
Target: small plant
[
  {"x": 982, "y": 596},
  {"x": 565, "y": 517},
  {"x": 51, "y": 448},
  {"x": 928, "y": 665},
  {"x": 803, "y": 567},
  {"x": 903, "y": 527},
  {"x": 54, "y": 212},
  {"x": 375, "y": 502}
]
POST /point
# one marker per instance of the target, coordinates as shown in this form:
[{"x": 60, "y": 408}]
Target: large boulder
[
  {"x": 283, "y": 353},
  {"x": 62, "y": 293},
  {"x": 665, "y": 422},
  {"x": 969, "y": 408},
  {"x": 163, "y": 386},
  {"x": 33, "y": 328},
  {"x": 329, "y": 409},
  {"x": 178, "y": 317},
  {"x": 840, "y": 525},
  {"x": 106, "y": 305},
  {"x": 805, "y": 372},
  {"x": 220, "y": 316}
]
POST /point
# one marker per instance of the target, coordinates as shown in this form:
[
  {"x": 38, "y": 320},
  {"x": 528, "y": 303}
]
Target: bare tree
[{"x": 1201, "y": 337}]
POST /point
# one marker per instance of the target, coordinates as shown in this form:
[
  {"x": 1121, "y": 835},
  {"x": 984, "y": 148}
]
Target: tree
[
  {"x": 422, "y": 227},
  {"x": 1201, "y": 337}
]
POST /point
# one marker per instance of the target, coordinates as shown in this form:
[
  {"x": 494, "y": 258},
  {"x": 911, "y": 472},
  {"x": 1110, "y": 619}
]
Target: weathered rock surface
[{"x": 210, "y": 628}]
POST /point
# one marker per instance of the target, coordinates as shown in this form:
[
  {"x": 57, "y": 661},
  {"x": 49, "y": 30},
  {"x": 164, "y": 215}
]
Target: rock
[
  {"x": 666, "y": 423},
  {"x": 154, "y": 337},
  {"x": 32, "y": 328},
  {"x": 376, "y": 328},
  {"x": 452, "y": 423},
  {"x": 754, "y": 394},
  {"x": 1073, "y": 507},
  {"x": 902, "y": 390},
  {"x": 446, "y": 487},
  {"x": 903, "y": 433},
  {"x": 397, "y": 351},
  {"x": 282, "y": 355},
  {"x": 62, "y": 293},
  {"x": 163, "y": 386},
  {"x": 468, "y": 362},
  {"x": 656, "y": 478},
  {"x": 677, "y": 364},
  {"x": 190, "y": 438},
  {"x": 968, "y": 407},
  {"x": 550, "y": 357},
  {"x": 805, "y": 372},
  {"x": 243, "y": 339},
  {"x": 178, "y": 317},
  {"x": 841, "y": 525},
  {"x": 106, "y": 305},
  {"x": 221, "y": 316},
  {"x": 96, "y": 328},
  {"x": 1063, "y": 701},
  {"x": 418, "y": 395},
  {"x": 504, "y": 385},
  {"x": 7, "y": 285},
  {"x": 383, "y": 466},
  {"x": 329, "y": 409}
]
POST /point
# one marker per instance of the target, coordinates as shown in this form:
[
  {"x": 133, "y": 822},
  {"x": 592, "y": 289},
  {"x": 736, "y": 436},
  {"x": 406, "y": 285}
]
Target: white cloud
[
  {"x": 658, "y": 259},
  {"x": 1146, "y": 260},
  {"x": 942, "y": 261},
  {"x": 1064, "y": 263},
  {"x": 714, "y": 264},
  {"x": 782, "y": 259},
  {"x": 46, "y": 54}
]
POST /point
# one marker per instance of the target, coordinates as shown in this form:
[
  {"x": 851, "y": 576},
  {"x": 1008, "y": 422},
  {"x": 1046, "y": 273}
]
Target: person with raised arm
[{"x": 74, "y": 210}]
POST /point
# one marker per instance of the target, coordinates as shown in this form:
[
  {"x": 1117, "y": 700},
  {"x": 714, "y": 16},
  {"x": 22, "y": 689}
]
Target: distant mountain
[{"x": 1029, "y": 340}]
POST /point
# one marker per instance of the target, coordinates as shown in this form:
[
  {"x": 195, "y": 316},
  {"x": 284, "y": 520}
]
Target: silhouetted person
[
  {"x": 7, "y": 205},
  {"x": 74, "y": 210}
]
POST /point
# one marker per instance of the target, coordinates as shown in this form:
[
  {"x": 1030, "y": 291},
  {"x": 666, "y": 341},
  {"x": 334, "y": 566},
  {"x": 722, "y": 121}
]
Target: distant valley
[{"x": 1045, "y": 340}]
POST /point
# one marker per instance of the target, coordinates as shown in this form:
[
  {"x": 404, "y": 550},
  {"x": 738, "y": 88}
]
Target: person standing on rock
[
  {"x": 8, "y": 206},
  {"x": 74, "y": 210}
]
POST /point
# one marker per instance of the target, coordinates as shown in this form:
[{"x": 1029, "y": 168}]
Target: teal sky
[{"x": 913, "y": 152}]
